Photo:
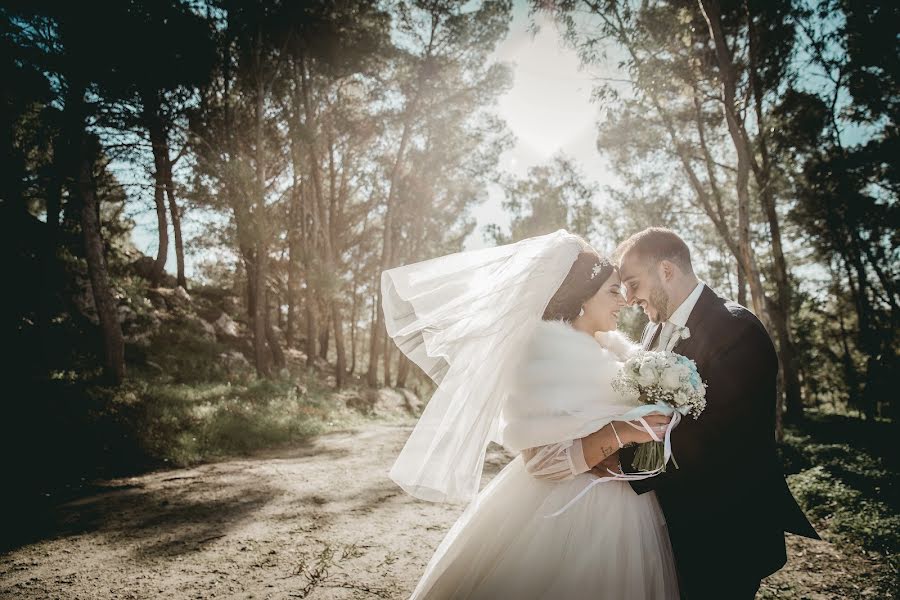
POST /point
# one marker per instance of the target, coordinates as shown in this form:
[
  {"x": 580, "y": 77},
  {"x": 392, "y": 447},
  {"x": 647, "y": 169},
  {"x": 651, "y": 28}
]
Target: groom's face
[{"x": 644, "y": 287}]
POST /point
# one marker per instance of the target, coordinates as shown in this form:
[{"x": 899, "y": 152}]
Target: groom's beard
[{"x": 660, "y": 300}]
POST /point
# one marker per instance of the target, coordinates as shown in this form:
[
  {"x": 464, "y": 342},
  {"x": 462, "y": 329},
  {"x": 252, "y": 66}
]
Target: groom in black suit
[{"x": 727, "y": 504}]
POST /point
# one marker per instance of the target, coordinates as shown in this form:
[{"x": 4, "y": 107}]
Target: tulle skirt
[{"x": 611, "y": 544}]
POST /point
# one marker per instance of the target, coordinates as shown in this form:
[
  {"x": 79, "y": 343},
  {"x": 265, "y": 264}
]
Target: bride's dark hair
[{"x": 588, "y": 274}]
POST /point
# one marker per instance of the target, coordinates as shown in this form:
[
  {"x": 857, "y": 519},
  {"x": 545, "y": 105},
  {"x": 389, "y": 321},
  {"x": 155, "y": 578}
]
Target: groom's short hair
[{"x": 656, "y": 244}]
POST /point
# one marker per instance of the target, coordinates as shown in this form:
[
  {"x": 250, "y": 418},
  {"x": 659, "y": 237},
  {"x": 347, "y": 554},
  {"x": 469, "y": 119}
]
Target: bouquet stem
[{"x": 649, "y": 456}]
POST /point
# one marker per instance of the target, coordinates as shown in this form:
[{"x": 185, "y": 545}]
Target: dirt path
[{"x": 321, "y": 521}]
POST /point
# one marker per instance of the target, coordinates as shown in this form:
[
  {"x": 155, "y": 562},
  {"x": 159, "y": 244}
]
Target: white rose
[
  {"x": 671, "y": 379},
  {"x": 647, "y": 374}
]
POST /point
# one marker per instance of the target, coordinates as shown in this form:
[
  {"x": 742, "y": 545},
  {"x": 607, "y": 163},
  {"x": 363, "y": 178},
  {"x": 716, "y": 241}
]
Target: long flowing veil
[{"x": 463, "y": 318}]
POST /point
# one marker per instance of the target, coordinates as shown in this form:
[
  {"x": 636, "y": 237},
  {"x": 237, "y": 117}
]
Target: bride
[{"x": 520, "y": 342}]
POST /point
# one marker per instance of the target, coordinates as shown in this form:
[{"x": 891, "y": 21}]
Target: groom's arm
[{"x": 740, "y": 383}]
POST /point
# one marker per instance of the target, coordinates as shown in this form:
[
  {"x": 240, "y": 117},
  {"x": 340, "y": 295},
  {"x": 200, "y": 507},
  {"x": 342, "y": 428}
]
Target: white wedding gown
[{"x": 610, "y": 544}]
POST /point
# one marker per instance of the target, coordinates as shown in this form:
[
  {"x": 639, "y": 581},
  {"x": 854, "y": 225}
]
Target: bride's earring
[{"x": 581, "y": 312}]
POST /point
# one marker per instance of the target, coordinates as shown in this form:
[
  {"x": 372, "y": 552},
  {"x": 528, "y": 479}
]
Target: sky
[{"x": 548, "y": 109}]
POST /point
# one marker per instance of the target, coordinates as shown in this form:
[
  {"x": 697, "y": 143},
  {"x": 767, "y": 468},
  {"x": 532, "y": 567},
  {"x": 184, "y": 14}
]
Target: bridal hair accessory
[
  {"x": 581, "y": 312},
  {"x": 596, "y": 270}
]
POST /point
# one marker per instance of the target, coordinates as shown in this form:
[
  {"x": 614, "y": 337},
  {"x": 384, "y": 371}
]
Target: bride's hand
[{"x": 635, "y": 432}]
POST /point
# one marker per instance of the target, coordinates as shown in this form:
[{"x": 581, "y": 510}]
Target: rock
[
  {"x": 414, "y": 404},
  {"x": 294, "y": 356},
  {"x": 209, "y": 332},
  {"x": 140, "y": 339},
  {"x": 231, "y": 304},
  {"x": 393, "y": 401},
  {"x": 126, "y": 314},
  {"x": 157, "y": 297},
  {"x": 363, "y": 401},
  {"x": 180, "y": 298},
  {"x": 236, "y": 365},
  {"x": 389, "y": 400},
  {"x": 384, "y": 402},
  {"x": 172, "y": 300},
  {"x": 226, "y": 327},
  {"x": 143, "y": 267}
]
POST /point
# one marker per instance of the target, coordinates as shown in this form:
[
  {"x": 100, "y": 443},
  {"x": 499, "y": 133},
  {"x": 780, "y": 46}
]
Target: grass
[
  {"x": 62, "y": 434},
  {"x": 182, "y": 424},
  {"x": 845, "y": 477}
]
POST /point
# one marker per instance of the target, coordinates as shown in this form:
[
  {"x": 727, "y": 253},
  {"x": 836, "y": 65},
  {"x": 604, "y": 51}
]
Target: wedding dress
[
  {"x": 541, "y": 529},
  {"x": 610, "y": 544}
]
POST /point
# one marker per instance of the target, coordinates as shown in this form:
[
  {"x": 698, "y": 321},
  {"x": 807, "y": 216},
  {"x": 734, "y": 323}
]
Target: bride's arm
[
  {"x": 565, "y": 460},
  {"x": 555, "y": 462},
  {"x": 606, "y": 441}
]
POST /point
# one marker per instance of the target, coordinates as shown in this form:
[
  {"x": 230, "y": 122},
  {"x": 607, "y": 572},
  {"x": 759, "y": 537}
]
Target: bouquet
[{"x": 664, "y": 379}]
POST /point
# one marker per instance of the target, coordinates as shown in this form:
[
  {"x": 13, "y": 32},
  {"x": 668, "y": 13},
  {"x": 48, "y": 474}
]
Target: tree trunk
[
  {"x": 157, "y": 141},
  {"x": 780, "y": 309},
  {"x": 293, "y": 266},
  {"x": 176, "y": 220},
  {"x": 341, "y": 361},
  {"x": 373, "y": 319},
  {"x": 312, "y": 335},
  {"x": 374, "y": 343},
  {"x": 354, "y": 318},
  {"x": 256, "y": 286},
  {"x": 402, "y": 371},
  {"x": 325, "y": 335},
  {"x": 272, "y": 338},
  {"x": 387, "y": 249},
  {"x": 850, "y": 371},
  {"x": 711, "y": 13},
  {"x": 260, "y": 220},
  {"x": 162, "y": 251},
  {"x": 386, "y": 354},
  {"x": 113, "y": 343},
  {"x": 259, "y": 316},
  {"x": 742, "y": 287}
]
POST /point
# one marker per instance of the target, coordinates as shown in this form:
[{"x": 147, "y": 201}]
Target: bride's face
[{"x": 602, "y": 310}]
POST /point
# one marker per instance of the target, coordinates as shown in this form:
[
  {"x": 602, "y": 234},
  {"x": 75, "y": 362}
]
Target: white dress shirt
[{"x": 678, "y": 318}]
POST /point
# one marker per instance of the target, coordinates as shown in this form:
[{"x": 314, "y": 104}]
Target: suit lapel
[{"x": 704, "y": 307}]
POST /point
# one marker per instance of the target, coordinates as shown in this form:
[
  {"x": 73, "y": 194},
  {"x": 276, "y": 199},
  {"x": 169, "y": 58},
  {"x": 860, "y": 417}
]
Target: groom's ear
[{"x": 667, "y": 270}]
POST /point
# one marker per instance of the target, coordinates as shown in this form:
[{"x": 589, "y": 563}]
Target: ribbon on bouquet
[{"x": 637, "y": 414}]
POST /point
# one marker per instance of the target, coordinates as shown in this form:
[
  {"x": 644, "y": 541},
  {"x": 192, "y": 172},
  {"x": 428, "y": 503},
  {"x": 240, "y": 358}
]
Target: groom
[{"x": 727, "y": 504}]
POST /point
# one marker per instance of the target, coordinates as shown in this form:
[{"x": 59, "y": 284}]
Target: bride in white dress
[{"x": 506, "y": 333}]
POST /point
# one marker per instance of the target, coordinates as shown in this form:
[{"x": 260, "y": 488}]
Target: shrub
[{"x": 848, "y": 491}]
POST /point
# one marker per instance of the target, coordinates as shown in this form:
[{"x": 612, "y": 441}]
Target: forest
[{"x": 285, "y": 154}]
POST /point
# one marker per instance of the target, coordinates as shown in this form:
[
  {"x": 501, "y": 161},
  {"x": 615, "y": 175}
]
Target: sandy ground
[{"x": 318, "y": 521}]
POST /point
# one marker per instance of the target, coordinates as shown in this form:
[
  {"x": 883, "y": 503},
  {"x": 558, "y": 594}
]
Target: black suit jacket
[{"x": 728, "y": 505}]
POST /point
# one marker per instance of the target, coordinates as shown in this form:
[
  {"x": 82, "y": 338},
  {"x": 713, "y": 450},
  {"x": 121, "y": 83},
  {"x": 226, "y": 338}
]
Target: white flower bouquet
[{"x": 664, "y": 379}]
